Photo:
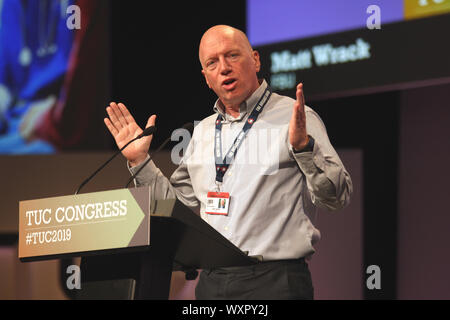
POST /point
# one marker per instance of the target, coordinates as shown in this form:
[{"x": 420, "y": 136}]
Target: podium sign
[
  {"x": 85, "y": 222},
  {"x": 129, "y": 245}
]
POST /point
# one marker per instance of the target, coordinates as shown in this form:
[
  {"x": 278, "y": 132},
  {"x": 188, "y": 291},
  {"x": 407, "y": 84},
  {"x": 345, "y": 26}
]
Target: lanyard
[{"x": 222, "y": 164}]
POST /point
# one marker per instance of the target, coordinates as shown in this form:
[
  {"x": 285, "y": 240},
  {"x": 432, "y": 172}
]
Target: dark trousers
[{"x": 271, "y": 280}]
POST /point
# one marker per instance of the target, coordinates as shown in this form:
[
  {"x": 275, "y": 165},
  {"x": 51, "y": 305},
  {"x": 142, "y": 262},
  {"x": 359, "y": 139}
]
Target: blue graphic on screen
[
  {"x": 35, "y": 45},
  {"x": 272, "y": 21}
]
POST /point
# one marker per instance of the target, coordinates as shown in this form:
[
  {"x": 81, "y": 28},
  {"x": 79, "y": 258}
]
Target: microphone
[
  {"x": 188, "y": 126},
  {"x": 148, "y": 131}
]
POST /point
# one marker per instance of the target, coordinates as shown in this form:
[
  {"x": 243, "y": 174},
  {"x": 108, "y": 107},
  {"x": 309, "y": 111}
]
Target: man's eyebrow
[
  {"x": 214, "y": 56},
  {"x": 227, "y": 52},
  {"x": 211, "y": 58}
]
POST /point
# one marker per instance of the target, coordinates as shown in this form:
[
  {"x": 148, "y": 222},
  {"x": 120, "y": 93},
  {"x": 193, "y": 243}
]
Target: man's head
[{"x": 229, "y": 64}]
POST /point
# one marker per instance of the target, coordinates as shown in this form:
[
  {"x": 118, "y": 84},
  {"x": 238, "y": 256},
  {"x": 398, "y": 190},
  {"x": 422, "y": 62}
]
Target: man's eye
[{"x": 210, "y": 64}]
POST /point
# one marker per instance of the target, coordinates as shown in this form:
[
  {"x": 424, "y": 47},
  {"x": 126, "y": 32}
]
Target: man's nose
[{"x": 225, "y": 67}]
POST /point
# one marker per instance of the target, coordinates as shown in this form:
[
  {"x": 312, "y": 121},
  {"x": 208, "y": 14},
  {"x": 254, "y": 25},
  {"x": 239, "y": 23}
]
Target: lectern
[{"x": 129, "y": 243}]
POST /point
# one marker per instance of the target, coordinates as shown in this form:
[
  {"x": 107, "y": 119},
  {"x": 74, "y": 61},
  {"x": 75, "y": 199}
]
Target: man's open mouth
[{"x": 229, "y": 83}]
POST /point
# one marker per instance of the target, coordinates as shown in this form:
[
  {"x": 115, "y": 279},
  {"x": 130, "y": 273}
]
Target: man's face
[{"x": 229, "y": 66}]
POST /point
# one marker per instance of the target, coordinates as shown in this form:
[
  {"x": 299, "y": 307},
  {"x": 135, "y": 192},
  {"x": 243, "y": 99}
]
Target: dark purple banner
[{"x": 271, "y": 21}]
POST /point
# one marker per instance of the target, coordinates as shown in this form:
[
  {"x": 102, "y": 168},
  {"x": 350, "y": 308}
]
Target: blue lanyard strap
[{"x": 222, "y": 164}]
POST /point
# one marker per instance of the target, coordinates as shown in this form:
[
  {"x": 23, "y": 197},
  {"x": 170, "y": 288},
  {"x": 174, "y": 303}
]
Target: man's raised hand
[
  {"x": 298, "y": 137},
  {"x": 124, "y": 128}
]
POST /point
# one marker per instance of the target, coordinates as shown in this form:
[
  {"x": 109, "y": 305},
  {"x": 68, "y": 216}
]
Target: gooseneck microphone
[
  {"x": 188, "y": 126},
  {"x": 148, "y": 131}
]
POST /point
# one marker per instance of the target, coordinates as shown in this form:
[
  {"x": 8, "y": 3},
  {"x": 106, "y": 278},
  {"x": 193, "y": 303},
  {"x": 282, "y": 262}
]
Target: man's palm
[{"x": 124, "y": 128}]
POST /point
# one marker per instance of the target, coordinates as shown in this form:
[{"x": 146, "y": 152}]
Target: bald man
[{"x": 270, "y": 159}]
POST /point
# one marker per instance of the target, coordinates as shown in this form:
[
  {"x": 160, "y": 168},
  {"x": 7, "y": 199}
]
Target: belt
[{"x": 258, "y": 266}]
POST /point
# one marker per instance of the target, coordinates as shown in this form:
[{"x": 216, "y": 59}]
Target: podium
[{"x": 129, "y": 243}]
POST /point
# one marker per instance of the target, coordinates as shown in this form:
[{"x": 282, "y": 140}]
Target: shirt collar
[{"x": 245, "y": 107}]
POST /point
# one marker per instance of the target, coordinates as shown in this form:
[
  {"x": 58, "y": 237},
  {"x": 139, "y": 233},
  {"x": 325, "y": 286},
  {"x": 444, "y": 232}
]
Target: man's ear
[
  {"x": 206, "y": 78},
  {"x": 257, "y": 60}
]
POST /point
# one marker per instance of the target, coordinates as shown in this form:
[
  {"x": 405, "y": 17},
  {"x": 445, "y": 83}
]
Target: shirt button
[{"x": 226, "y": 228}]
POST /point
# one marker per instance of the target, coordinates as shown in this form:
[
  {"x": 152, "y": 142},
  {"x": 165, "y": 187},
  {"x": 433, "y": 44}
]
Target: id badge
[{"x": 217, "y": 203}]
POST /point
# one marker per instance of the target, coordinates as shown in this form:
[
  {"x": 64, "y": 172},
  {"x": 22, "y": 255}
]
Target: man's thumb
[{"x": 151, "y": 121}]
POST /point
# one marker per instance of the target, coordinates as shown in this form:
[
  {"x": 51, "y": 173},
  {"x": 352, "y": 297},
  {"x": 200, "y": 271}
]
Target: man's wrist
[
  {"x": 308, "y": 148},
  {"x": 136, "y": 162}
]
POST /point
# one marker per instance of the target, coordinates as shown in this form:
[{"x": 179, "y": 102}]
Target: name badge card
[{"x": 217, "y": 203}]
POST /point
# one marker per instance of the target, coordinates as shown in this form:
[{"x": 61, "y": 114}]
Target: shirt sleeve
[
  {"x": 328, "y": 181},
  {"x": 179, "y": 185}
]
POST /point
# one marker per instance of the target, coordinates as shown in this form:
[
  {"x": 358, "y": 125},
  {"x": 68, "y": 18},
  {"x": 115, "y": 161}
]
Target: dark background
[{"x": 156, "y": 69}]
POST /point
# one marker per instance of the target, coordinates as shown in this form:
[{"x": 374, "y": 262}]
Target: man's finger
[
  {"x": 113, "y": 117},
  {"x": 128, "y": 118},
  {"x": 151, "y": 121},
  {"x": 300, "y": 102},
  {"x": 299, "y": 94},
  {"x": 303, "y": 97},
  {"x": 118, "y": 115},
  {"x": 111, "y": 127}
]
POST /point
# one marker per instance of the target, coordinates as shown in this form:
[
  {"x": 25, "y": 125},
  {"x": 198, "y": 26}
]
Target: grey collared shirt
[{"x": 274, "y": 191}]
